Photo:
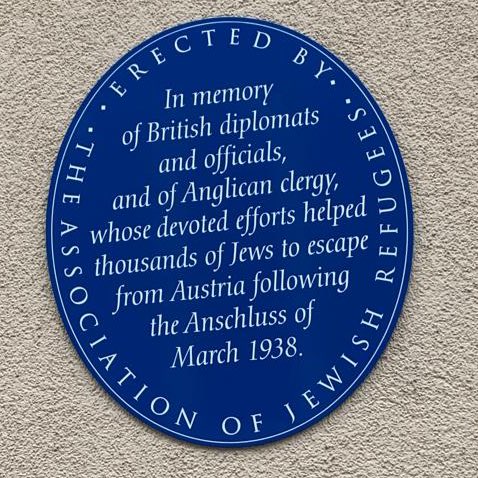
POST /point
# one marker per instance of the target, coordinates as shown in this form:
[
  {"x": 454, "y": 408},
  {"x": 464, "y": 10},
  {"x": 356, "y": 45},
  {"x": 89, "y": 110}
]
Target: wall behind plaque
[{"x": 415, "y": 415}]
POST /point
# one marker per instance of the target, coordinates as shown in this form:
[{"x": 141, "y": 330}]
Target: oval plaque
[{"x": 229, "y": 232}]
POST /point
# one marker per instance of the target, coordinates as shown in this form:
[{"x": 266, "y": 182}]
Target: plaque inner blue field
[{"x": 229, "y": 232}]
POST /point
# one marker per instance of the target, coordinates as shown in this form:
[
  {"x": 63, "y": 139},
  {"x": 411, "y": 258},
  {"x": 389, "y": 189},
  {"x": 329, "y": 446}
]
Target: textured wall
[{"x": 416, "y": 414}]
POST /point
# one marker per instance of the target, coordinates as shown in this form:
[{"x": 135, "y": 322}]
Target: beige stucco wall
[{"x": 416, "y": 414}]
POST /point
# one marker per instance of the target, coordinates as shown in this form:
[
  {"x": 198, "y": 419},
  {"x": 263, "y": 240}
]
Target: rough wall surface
[{"x": 416, "y": 414}]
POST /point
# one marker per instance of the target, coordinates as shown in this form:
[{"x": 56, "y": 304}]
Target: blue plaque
[{"x": 229, "y": 232}]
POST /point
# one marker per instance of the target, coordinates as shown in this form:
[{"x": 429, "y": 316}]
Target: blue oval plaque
[{"x": 229, "y": 232}]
